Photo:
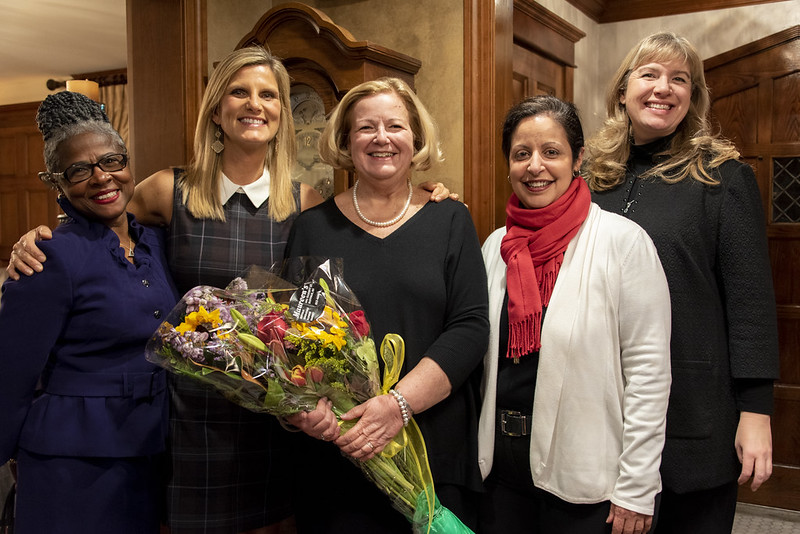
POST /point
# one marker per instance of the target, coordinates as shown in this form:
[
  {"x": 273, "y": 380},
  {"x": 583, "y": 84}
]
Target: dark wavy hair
[{"x": 564, "y": 113}]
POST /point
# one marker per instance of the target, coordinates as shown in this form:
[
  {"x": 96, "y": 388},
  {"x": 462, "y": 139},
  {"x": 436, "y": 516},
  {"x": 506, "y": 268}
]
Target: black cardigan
[{"x": 712, "y": 244}]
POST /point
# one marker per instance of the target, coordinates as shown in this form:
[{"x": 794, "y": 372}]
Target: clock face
[{"x": 308, "y": 112}]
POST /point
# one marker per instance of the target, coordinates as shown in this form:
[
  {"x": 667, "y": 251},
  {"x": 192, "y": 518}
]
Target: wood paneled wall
[
  {"x": 24, "y": 200},
  {"x": 756, "y": 102}
]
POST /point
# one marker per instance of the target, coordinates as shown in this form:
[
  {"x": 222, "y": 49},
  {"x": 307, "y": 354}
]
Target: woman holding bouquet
[
  {"x": 228, "y": 467},
  {"x": 577, "y": 377},
  {"x": 415, "y": 267},
  {"x": 81, "y": 409}
]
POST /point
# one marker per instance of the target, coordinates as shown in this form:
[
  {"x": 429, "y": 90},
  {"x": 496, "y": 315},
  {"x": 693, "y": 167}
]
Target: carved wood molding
[
  {"x": 619, "y": 10},
  {"x": 549, "y": 19},
  {"x": 755, "y": 47},
  {"x": 105, "y": 77},
  {"x": 541, "y": 30},
  {"x": 323, "y": 45},
  {"x": 19, "y": 116},
  {"x": 488, "y": 49}
]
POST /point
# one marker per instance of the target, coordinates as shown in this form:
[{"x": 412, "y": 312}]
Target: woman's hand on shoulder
[
  {"x": 626, "y": 521},
  {"x": 26, "y": 257},
  {"x": 309, "y": 197},
  {"x": 438, "y": 191},
  {"x": 153, "y": 197}
]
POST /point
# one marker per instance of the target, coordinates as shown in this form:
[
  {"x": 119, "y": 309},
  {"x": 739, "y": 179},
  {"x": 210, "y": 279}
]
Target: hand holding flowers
[
  {"x": 378, "y": 422},
  {"x": 305, "y": 354},
  {"x": 320, "y": 423}
]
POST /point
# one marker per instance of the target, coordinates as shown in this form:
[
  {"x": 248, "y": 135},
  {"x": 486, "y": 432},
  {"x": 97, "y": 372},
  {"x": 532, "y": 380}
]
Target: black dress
[{"x": 229, "y": 466}]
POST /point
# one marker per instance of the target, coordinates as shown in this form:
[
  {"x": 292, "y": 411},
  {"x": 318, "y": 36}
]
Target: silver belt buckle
[{"x": 520, "y": 420}]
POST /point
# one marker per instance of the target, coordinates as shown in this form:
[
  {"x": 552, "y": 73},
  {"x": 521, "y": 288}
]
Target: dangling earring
[
  {"x": 217, "y": 145},
  {"x": 575, "y": 174},
  {"x": 508, "y": 177}
]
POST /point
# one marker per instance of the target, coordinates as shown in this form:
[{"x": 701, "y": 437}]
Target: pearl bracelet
[{"x": 405, "y": 409}]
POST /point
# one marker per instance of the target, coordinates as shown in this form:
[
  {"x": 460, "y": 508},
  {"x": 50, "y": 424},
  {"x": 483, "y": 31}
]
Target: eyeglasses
[{"x": 81, "y": 172}]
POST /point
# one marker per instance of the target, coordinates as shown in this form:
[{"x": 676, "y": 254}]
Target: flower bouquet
[{"x": 277, "y": 348}]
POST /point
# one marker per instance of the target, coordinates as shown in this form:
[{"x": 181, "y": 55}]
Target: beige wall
[{"x": 436, "y": 39}]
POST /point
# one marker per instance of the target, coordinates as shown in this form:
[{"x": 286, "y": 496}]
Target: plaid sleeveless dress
[{"x": 228, "y": 467}]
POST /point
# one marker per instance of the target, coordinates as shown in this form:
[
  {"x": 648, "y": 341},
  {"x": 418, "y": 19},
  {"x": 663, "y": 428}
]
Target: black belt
[{"x": 513, "y": 423}]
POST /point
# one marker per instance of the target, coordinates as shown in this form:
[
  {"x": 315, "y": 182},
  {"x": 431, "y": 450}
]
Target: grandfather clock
[{"x": 324, "y": 61}]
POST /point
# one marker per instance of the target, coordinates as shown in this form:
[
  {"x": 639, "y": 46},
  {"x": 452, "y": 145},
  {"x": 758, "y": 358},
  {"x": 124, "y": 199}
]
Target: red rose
[
  {"x": 272, "y": 327},
  {"x": 359, "y": 322}
]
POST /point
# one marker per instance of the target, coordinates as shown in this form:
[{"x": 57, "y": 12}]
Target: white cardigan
[{"x": 603, "y": 381}]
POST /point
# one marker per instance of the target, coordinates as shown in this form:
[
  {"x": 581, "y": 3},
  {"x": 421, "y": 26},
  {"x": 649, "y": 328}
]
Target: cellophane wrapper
[{"x": 277, "y": 347}]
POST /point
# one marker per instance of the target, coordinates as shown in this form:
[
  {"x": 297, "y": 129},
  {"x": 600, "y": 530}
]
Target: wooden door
[
  {"x": 535, "y": 74},
  {"x": 756, "y": 102},
  {"x": 541, "y": 64},
  {"x": 25, "y": 201}
]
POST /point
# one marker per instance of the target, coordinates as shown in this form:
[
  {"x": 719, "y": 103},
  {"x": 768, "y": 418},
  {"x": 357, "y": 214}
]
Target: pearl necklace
[{"x": 386, "y": 223}]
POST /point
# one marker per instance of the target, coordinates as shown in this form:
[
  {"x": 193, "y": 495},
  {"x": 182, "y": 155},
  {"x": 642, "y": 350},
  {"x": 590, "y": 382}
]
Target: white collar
[{"x": 257, "y": 192}]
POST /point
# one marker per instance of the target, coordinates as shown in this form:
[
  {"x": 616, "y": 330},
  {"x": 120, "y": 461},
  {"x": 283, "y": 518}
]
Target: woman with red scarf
[{"x": 576, "y": 378}]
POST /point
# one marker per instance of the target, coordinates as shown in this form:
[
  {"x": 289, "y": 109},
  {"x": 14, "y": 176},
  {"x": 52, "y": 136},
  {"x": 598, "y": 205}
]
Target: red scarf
[{"x": 533, "y": 249}]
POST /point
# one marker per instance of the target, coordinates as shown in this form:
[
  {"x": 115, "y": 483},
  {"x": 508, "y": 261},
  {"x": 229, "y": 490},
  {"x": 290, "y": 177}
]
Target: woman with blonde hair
[
  {"x": 416, "y": 269},
  {"x": 657, "y": 162},
  {"x": 232, "y": 207}
]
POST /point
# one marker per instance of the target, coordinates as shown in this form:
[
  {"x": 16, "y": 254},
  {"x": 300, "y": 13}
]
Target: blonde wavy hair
[
  {"x": 200, "y": 184},
  {"x": 694, "y": 150},
  {"x": 334, "y": 144}
]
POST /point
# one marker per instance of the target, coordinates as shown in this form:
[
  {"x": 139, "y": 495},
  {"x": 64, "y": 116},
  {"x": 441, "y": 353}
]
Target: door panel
[
  {"x": 542, "y": 76},
  {"x": 533, "y": 74},
  {"x": 25, "y": 201},
  {"x": 785, "y": 125},
  {"x": 741, "y": 115}
]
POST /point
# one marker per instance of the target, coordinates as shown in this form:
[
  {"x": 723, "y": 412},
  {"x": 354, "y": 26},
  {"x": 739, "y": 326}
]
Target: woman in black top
[
  {"x": 416, "y": 269},
  {"x": 656, "y": 162}
]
